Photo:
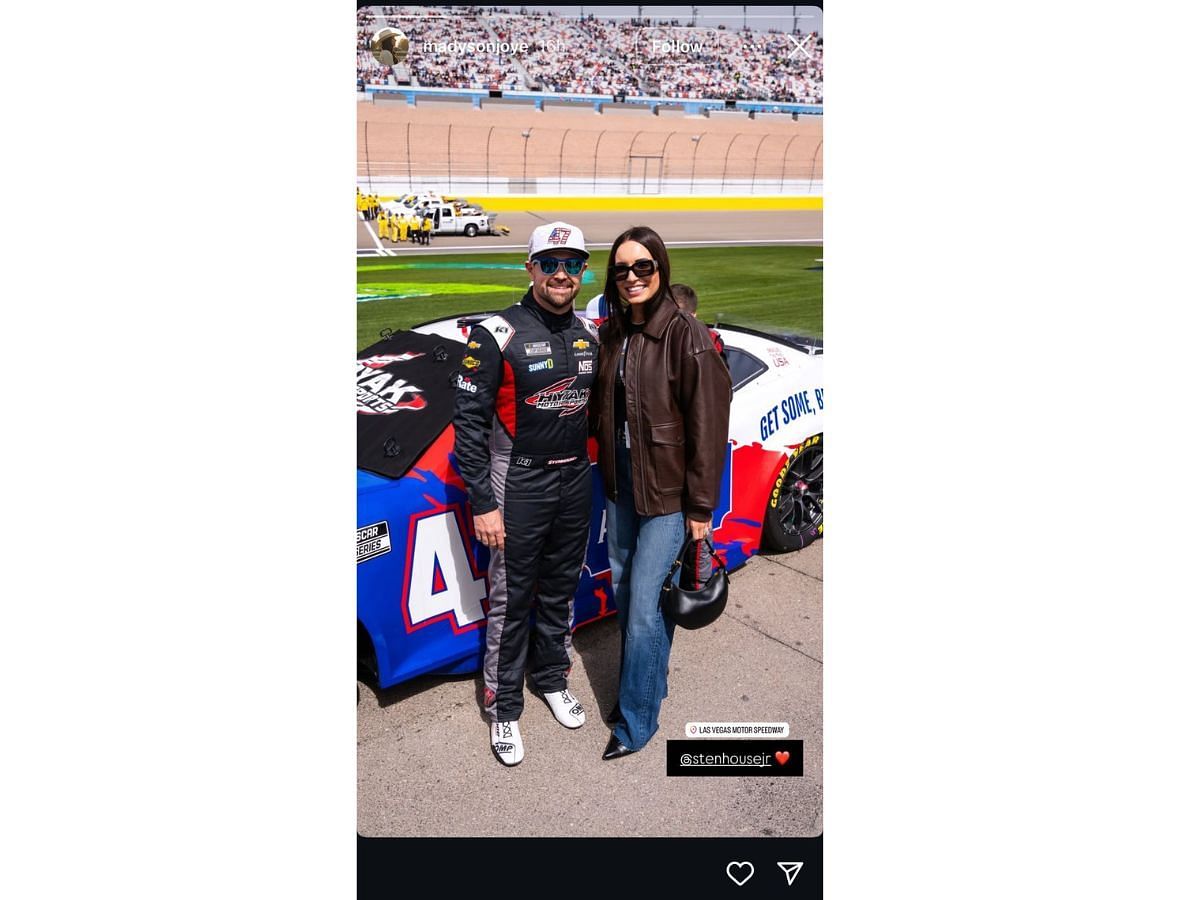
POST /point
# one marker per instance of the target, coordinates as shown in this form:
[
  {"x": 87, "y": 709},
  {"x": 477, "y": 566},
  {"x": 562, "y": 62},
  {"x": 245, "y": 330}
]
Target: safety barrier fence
[{"x": 495, "y": 159}]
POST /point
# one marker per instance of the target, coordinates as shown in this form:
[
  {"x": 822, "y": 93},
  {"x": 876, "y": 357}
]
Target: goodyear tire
[
  {"x": 795, "y": 509},
  {"x": 471, "y": 230}
]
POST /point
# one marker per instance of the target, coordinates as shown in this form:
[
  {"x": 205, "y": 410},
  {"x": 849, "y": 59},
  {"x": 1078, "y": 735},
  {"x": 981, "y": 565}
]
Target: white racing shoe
[
  {"x": 506, "y": 743},
  {"x": 566, "y": 708}
]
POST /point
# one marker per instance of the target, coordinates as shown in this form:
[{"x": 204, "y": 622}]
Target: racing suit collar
[{"x": 553, "y": 321}]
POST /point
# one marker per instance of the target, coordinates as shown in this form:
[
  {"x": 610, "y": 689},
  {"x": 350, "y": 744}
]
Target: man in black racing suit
[{"x": 520, "y": 436}]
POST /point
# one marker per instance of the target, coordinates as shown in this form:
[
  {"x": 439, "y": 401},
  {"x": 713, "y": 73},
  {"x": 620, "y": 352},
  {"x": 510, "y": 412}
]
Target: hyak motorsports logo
[
  {"x": 560, "y": 396},
  {"x": 383, "y": 393},
  {"x": 386, "y": 359}
]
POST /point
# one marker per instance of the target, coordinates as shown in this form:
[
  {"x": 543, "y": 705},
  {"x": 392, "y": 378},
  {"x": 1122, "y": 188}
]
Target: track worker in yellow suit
[
  {"x": 382, "y": 225},
  {"x": 402, "y": 224},
  {"x": 395, "y": 220},
  {"x": 360, "y": 202},
  {"x": 427, "y": 228}
]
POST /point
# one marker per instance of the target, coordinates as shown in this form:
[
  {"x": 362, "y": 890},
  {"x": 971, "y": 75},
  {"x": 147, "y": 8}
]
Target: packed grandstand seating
[
  {"x": 371, "y": 72},
  {"x": 604, "y": 56},
  {"x": 584, "y": 68}
]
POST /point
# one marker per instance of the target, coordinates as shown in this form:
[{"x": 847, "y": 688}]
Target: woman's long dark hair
[{"x": 618, "y": 309}]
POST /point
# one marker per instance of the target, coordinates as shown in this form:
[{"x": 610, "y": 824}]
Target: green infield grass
[{"x": 770, "y": 288}]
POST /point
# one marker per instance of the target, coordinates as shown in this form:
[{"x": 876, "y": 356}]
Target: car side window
[{"x": 743, "y": 367}]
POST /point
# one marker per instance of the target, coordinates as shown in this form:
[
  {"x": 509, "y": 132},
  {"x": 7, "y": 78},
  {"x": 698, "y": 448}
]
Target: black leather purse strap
[{"x": 687, "y": 542}]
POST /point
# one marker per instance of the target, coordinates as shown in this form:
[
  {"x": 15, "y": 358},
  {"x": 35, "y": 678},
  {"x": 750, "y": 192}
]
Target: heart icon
[
  {"x": 782, "y": 756},
  {"x": 744, "y": 871}
]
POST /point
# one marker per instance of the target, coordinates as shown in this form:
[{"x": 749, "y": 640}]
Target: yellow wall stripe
[
  {"x": 552, "y": 203},
  {"x": 549, "y": 203}
]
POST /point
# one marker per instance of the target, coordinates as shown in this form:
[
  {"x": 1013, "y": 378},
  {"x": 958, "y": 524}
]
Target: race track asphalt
[
  {"x": 425, "y": 767},
  {"x": 601, "y": 228}
]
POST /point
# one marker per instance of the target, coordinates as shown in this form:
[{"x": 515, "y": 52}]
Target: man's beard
[{"x": 550, "y": 300}]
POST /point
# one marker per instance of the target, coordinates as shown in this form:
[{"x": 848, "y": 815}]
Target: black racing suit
[{"x": 520, "y": 436}]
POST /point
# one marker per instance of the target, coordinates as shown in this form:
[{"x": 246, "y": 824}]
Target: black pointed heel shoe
[
  {"x": 614, "y": 715},
  {"x": 615, "y": 749}
]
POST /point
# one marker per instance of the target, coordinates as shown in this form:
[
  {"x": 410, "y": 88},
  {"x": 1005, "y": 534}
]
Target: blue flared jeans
[{"x": 641, "y": 550}]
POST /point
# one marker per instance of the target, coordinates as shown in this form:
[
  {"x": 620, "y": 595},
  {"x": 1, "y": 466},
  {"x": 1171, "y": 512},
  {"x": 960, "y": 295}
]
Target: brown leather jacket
[{"x": 677, "y": 395}]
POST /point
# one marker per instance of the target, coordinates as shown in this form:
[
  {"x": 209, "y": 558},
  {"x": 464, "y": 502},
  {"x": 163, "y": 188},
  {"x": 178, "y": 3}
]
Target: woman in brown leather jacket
[{"x": 660, "y": 409}]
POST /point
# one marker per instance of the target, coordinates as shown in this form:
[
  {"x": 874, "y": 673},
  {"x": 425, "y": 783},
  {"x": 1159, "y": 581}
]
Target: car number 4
[{"x": 440, "y": 578}]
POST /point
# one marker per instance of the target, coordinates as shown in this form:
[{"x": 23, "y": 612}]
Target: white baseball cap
[{"x": 557, "y": 236}]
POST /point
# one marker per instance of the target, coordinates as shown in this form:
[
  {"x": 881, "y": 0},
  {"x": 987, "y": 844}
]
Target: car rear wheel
[
  {"x": 471, "y": 230},
  {"x": 795, "y": 514},
  {"x": 368, "y": 666}
]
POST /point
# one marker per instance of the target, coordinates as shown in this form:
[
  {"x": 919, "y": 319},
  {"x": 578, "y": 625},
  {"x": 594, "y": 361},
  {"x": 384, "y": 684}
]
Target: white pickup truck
[
  {"x": 466, "y": 220},
  {"x": 450, "y": 215}
]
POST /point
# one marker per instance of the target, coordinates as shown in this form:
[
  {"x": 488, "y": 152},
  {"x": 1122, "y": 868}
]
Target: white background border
[{"x": 1010, "y": 296}]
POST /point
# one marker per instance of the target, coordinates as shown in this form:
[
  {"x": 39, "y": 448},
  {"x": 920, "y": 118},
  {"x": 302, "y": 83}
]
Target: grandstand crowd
[{"x": 590, "y": 55}]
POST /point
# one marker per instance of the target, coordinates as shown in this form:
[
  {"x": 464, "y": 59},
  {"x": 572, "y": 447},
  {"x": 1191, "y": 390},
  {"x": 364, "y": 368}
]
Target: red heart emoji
[{"x": 782, "y": 756}]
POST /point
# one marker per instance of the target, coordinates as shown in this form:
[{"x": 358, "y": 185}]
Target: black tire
[
  {"x": 795, "y": 514},
  {"x": 471, "y": 230},
  {"x": 368, "y": 666}
]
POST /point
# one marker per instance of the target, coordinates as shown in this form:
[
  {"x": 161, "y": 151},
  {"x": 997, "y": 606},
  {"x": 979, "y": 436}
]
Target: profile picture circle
[{"x": 389, "y": 46}]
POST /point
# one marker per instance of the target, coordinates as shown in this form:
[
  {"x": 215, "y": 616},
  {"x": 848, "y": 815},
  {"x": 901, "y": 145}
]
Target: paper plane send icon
[{"x": 790, "y": 869}]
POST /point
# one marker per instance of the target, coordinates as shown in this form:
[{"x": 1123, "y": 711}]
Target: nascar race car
[{"x": 422, "y": 577}]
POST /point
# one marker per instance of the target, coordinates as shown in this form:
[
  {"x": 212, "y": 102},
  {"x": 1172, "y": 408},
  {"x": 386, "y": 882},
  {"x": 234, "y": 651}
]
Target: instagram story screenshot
[{"x": 589, "y": 406}]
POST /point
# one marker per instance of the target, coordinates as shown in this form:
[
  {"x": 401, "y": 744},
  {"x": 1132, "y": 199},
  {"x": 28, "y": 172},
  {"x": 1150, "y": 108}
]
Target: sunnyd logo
[
  {"x": 381, "y": 393},
  {"x": 558, "y": 397}
]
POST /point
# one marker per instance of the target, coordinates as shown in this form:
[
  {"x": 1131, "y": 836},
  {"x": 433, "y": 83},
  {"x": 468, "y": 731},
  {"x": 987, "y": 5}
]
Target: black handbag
[{"x": 699, "y": 607}]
